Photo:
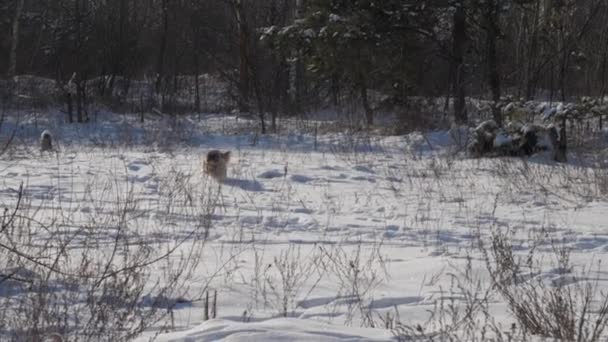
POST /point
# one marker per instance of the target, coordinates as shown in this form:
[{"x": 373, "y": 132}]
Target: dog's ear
[{"x": 226, "y": 155}]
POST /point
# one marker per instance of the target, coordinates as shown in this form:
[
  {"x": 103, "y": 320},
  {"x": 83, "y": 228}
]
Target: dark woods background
[{"x": 288, "y": 57}]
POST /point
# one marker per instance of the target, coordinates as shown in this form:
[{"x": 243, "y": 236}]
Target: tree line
[{"x": 283, "y": 57}]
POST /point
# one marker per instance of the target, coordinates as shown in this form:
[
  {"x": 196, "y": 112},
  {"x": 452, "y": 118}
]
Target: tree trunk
[
  {"x": 258, "y": 95},
  {"x": 493, "y": 72},
  {"x": 562, "y": 144},
  {"x": 197, "y": 87},
  {"x": 563, "y": 74},
  {"x": 243, "y": 56},
  {"x": 297, "y": 84},
  {"x": 369, "y": 113},
  {"x": 284, "y": 86},
  {"x": 552, "y": 83},
  {"x": 448, "y": 93},
  {"x": 163, "y": 47},
  {"x": 300, "y": 84},
  {"x": 79, "y": 101},
  {"x": 79, "y": 78},
  {"x": 531, "y": 73},
  {"x": 335, "y": 89},
  {"x": 458, "y": 50},
  {"x": 603, "y": 75},
  {"x": 603, "y": 69},
  {"x": 141, "y": 109},
  {"x": 275, "y": 97},
  {"x": 12, "y": 60},
  {"x": 68, "y": 100}
]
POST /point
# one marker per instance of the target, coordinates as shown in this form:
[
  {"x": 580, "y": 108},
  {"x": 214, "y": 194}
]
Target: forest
[{"x": 284, "y": 58}]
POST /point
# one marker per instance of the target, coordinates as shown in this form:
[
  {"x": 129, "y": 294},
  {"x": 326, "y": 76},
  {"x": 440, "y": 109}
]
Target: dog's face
[{"x": 216, "y": 156}]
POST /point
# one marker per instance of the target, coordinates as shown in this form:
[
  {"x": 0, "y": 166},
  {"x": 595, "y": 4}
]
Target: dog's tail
[{"x": 226, "y": 156}]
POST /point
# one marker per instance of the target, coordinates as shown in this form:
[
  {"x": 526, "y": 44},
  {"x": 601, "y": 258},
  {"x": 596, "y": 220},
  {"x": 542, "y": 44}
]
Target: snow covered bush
[{"x": 484, "y": 136}]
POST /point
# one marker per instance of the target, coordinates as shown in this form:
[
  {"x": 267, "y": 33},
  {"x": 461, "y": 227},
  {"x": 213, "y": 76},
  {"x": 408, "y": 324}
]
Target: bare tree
[
  {"x": 492, "y": 22},
  {"x": 459, "y": 38},
  {"x": 12, "y": 63},
  {"x": 244, "y": 65}
]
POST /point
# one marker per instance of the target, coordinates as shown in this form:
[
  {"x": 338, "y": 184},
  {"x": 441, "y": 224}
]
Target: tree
[
  {"x": 459, "y": 34},
  {"x": 12, "y": 61},
  {"x": 244, "y": 67},
  {"x": 350, "y": 42},
  {"x": 492, "y": 15}
]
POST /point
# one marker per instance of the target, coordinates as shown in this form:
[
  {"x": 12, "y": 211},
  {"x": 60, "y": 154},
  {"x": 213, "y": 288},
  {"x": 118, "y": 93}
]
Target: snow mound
[{"x": 282, "y": 329}]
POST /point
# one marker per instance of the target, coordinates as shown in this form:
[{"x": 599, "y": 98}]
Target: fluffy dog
[
  {"x": 46, "y": 141},
  {"x": 216, "y": 164}
]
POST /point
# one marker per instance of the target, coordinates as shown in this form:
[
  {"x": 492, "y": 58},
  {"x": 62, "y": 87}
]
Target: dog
[
  {"x": 216, "y": 164},
  {"x": 46, "y": 141}
]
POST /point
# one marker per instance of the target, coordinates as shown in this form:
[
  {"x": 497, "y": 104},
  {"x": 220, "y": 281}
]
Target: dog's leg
[
  {"x": 221, "y": 203},
  {"x": 216, "y": 198}
]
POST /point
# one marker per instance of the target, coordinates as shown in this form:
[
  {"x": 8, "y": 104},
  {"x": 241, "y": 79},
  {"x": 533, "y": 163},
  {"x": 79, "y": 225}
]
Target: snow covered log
[{"x": 489, "y": 140}]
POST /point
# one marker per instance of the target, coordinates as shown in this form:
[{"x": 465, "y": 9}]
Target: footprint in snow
[
  {"x": 271, "y": 174},
  {"x": 389, "y": 302},
  {"x": 134, "y": 167},
  {"x": 301, "y": 179},
  {"x": 391, "y": 231},
  {"x": 330, "y": 168},
  {"x": 302, "y": 211},
  {"x": 247, "y": 185},
  {"x": 360, "y": 178},
  {"x": 142, "y": 179},
  {"x": 362, "y": 168}
]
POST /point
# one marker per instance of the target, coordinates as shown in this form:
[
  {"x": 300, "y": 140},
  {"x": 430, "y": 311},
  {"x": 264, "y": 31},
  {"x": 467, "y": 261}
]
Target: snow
[
  {"x": 502, "y": 139},
  {"x": 334, "y": 18},
  {"x": 401, "y": 210},
  {"x": 308, "y": 33},
  {"x": 280, "y": 329}
]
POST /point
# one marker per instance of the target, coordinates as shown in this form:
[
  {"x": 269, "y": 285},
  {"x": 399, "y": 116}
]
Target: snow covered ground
[
  {"x": 329, "y": 237},
  {"x": 279, "y": 329}
]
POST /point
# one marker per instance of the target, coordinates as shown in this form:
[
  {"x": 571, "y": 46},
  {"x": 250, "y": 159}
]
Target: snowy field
[{"x": 328, "y": 237}]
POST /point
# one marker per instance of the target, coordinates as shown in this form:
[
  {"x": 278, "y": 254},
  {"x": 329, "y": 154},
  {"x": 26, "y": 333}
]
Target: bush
[
  {"x": 91, "y": 274},
  {"x": 570, "y": 307}
]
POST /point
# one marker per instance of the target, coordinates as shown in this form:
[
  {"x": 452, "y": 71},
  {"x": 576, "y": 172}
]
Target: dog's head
[
  {"x": 46, "y": 135},
  {"x": 216, "y": 156}
]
